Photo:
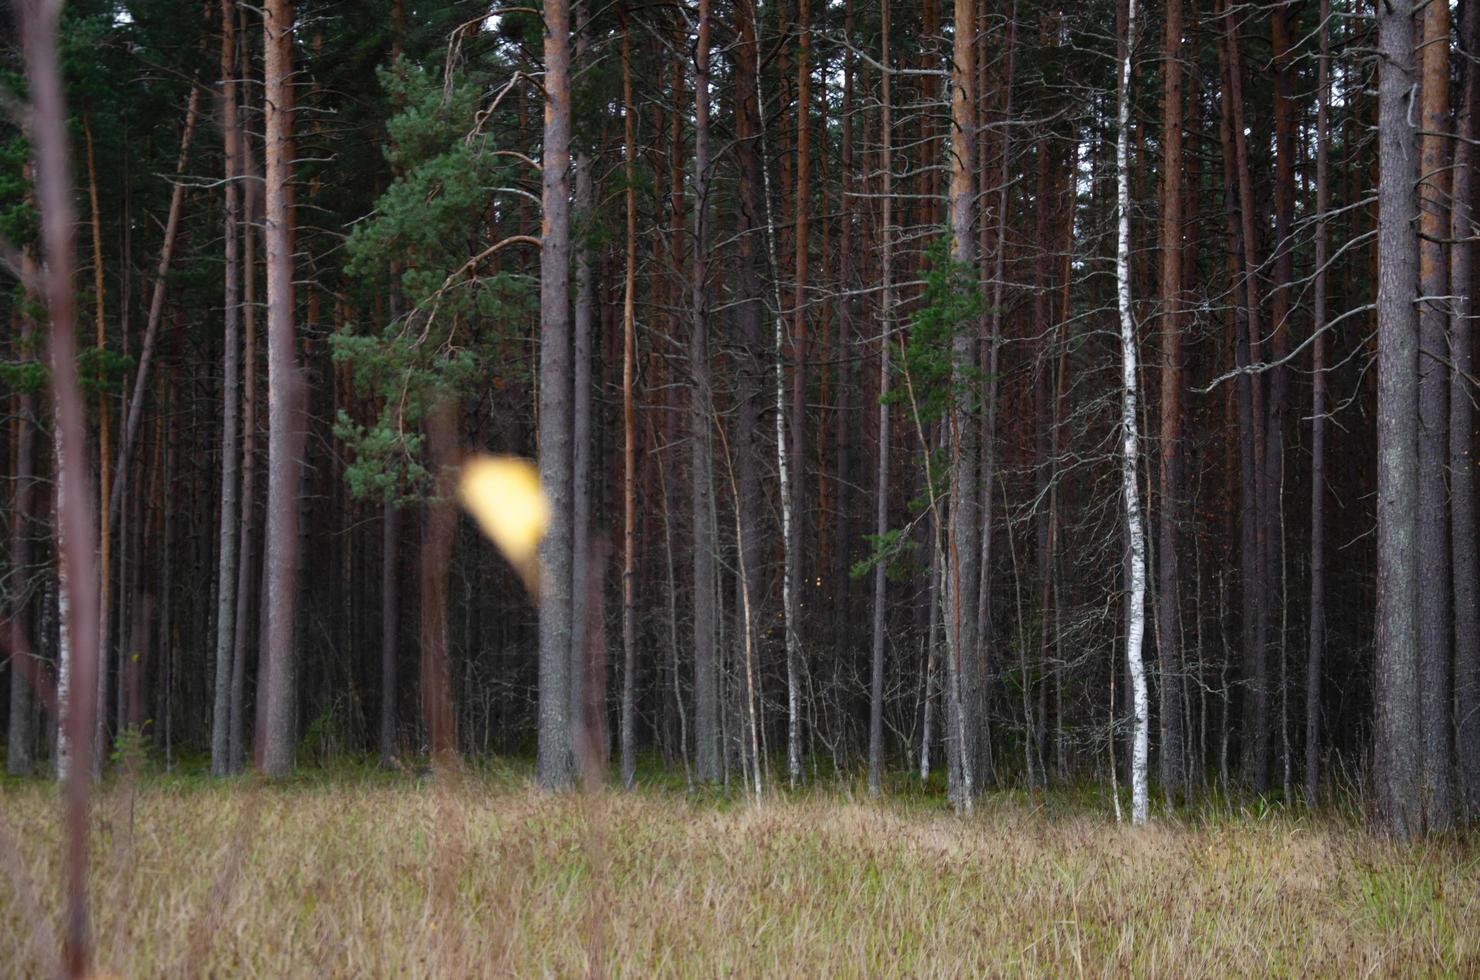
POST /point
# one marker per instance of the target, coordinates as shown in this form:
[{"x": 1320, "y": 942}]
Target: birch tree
[{"x": 1130, "y": 438}]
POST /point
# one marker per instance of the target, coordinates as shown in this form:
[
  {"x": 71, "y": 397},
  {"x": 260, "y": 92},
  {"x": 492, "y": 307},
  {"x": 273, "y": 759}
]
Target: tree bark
[
  {"x": 701, "y": 420},
  {"x": 76, "y": 533},
  {"x": 1136, "y": 612},
  {"x": 390, "y": 628},
  {"x": 156, "y": 309},
  {"x": 750, "y": 232},
  {"x": 1253, "y": 523},
  {"x": 1316, "y": 639},
  {"x": 226, "y": 573},
  {"x": 881, "y": 475},
  {"x": 1172, "y": 769},
  {"x": 247, "y": 575},
  {"x": 1466, "y": 570},
  {"x": 1434, "y": 612},
  {"x": 964, "y": 663},
  {"x": 284, "y": 395},
  {"x": 803, "y": 206},
  {"x": 554, "y": 766},
  {"x": 629, "y": 429},
  {"x": 1398, "y": 762}
]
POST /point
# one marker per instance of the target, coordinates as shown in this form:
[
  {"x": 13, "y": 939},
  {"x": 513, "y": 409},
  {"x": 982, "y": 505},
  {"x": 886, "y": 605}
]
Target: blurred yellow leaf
[{"x": 503, "y": 494}]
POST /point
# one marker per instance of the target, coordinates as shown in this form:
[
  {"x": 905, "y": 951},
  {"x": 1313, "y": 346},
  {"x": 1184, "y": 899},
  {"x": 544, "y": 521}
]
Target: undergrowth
[{"x": 352, "y": 871}]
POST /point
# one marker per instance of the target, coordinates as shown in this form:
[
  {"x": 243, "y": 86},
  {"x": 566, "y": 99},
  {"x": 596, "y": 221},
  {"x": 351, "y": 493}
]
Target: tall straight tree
[
  {"x": 629, "y": 427},
  {"x": 1130, "y": 493},
  {"x": 1398, "y": 762},
  {"x": 745, "y": 450},
  {"x": 1462, "y": 424},
  {"x": 1172, "y": 769},
  {"x": 1316, "y": 639},
  {"x": 881, "y": 475},
  {"x": 20, "y": 737},
  {"x": 804, "y": 195},
  {"x": 962, "y": 566},
  {"x": 581, "y": 321},
  {"x": 701, "y": 421},
  {"x": 246, "y": 565},
  {"x": 226, "y": 573},
  {"x": 1434, "y": 613},
  {"x": 284, "y": 393},
  {"x": 1254, "y": 524},
  {"x": 555, "y": 764}
]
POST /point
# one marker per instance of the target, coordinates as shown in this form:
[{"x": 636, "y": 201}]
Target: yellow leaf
[{"x": 503, "y": 494}]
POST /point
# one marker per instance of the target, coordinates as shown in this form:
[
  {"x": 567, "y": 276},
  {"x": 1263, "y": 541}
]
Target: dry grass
[{"x": 375, "y": 877}]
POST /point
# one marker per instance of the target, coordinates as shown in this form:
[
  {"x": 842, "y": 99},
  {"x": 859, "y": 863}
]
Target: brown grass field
[{"x": 480, "y": 875}]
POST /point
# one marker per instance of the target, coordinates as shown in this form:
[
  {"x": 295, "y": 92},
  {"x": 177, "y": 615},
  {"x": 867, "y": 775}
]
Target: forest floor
[{"x": 363, "y": 874}]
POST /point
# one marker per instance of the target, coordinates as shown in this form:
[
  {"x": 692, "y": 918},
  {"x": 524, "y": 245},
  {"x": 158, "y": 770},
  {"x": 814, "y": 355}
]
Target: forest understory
[{"x": 355, "y": 872}]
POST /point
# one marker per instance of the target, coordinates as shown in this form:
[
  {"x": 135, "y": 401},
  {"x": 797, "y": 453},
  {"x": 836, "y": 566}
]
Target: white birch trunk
[
  {"x": 788, "y": 587},
  {"x": 64, "y": 629},
  {"x": 1136, "y": 613}
]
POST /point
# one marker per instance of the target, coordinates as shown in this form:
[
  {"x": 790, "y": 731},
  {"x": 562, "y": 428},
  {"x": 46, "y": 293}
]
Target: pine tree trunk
[
  {"x": 803, "y": 205},
  {"x": 390, "y": 628},
  {"x": 1466, "y": 573},
  {"x": 707, "y": 745},
  {"x": 226, "y": 574},
  {"x": 629, "y": 430},
  {"x": 881, "y": 477},
  {"x": 750, "y": 233},
  {"x": 1252, "y": 568},
  {"x": 1434, "y": 570},
  {"x": 964, "y": 671},
  {"x": 554, "y": 766},
  {"x": 1317, "y": 634},
  {"x": 1398, "y": 762},
  {"x": 284, "y": 396},
  {"x": 247, "y": 575},
  {"x": 1172, "y": 767}
]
